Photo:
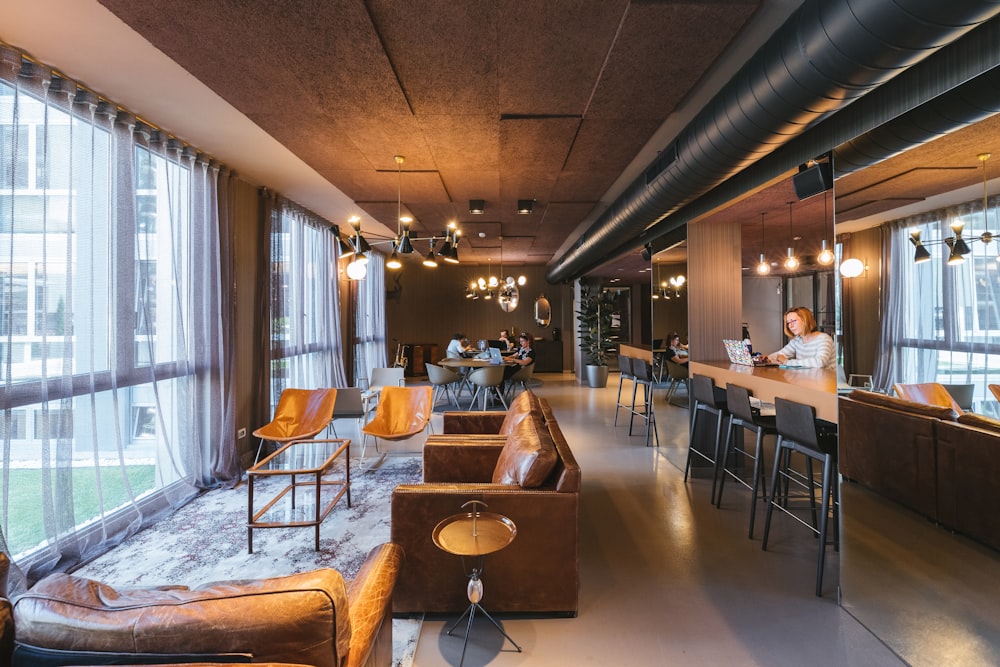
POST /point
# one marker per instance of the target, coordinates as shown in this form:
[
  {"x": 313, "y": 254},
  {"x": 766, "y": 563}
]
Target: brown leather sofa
[
  {"x": 520, "y": 465},
  {"x": 311, "y": 618},
  {"x": 968, "y": 465},
  {"x": 888, "y": 444},
  {"x": 929, "y": 459}
]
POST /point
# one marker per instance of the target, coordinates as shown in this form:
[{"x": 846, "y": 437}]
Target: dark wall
[{"x": 429, "y": 306}]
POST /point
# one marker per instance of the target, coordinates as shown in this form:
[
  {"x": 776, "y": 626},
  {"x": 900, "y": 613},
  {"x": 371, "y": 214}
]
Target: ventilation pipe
[{"x": 826, "y": 55}]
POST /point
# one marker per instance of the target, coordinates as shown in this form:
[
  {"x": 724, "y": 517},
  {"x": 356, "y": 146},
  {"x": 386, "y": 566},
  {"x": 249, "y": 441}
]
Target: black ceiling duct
[{"x": 825, "y": 56}]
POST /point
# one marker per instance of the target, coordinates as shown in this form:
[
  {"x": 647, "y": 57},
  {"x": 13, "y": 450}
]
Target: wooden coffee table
[{"x": 310, "y": 459}]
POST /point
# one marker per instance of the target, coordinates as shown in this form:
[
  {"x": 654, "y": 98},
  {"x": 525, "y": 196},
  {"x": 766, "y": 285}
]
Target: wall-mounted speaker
[{"x": 813, "y": 180}]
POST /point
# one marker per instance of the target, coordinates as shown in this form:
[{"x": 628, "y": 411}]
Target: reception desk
[{"x": 814, "y": 386}]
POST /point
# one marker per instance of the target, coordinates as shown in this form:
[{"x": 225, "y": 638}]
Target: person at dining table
[
  {"x": 676, "y": 350},
  {"x": 457, "y": 347},
  {"x": 808, "y": 347},
  {"x": 505, "y": 340},
  {"x": 524, "y": 355}
]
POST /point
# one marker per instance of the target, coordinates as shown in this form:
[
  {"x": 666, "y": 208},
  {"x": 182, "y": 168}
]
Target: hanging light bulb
[
  {"x": 763, "y": 268},
  {"x": 430, "y": 261},
  {"x": 791, "y": 261},
  {"x": 825, "y": 256},
  {"x": 393, "y": 261}
]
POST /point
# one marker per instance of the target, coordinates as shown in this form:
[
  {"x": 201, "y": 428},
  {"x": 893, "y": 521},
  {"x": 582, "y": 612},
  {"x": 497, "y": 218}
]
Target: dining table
[{"x": 465, "y": 365}]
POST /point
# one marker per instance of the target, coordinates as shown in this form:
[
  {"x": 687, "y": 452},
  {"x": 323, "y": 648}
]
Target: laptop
[
  {"x": 739, "y": 354},
  {"x": 495, "y": 356}
]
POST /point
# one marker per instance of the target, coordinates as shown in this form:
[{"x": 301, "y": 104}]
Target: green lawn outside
[{"x": 25, "y": 512}]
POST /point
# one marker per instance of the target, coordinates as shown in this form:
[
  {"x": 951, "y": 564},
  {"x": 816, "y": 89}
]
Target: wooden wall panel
[{"x": 715, "y": 294}]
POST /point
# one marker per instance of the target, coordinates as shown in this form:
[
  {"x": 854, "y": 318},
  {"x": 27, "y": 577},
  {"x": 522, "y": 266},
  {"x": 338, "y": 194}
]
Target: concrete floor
[{"x": 666, "y": 578}]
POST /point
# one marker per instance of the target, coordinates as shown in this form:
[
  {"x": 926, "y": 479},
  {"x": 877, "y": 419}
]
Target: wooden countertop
[{"x": 813, "y": 386}]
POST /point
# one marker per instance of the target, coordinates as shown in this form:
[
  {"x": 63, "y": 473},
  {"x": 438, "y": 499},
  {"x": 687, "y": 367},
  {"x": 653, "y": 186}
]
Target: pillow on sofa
[
  {"x": 528, "y": 456},
  {"x": 979, "y": 421},
  {"x": 902, "y": 405},
  {"x": 523, "y": 405}
]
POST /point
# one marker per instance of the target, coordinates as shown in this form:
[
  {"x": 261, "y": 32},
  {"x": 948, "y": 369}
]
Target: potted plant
[{"x": 595, "y": 331}]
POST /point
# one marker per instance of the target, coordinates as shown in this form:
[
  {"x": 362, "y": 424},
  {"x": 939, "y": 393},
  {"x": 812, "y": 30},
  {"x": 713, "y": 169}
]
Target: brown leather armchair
[
  {"x": 311, "y": 618},
  {"x": 529, "y": 476}
]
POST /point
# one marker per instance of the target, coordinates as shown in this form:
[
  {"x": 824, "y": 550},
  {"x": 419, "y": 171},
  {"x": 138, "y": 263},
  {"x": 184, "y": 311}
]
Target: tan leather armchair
[
  {"x": 300, "y": 414},
  {"x": 310, "y": 618}
]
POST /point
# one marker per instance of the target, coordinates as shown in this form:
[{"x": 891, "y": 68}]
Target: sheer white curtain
[
  {"x": 305, "y": 311},
  {"x": 109, "y": 408},
  {"x": 370, "y": 349}
]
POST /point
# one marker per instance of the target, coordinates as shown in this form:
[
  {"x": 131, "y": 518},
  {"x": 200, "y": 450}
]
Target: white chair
[
  {"x": 380, "y": 377},
  {"x": 445, "y": 379},
  {"x": 349, "y": 405},
  {"x": 487, "y": 380},
  {"x": 522, "y": 377}
]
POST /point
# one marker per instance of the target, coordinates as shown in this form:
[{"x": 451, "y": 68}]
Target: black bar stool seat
[
  {"x": 799, "y": 433},
  {"x": 711, "y": 400},
  {"x": 743, "y": 415}
]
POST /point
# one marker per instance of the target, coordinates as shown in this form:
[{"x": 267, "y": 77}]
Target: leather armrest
[
  {"x": 455, "y": 460},
  {"x": 473, "y": 422},
  {"x": 370, "y": 599}
]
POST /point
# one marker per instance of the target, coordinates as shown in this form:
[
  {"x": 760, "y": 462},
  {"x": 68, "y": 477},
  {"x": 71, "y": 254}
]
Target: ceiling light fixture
[
  {"x": 957, "y": 246},
  {"x": 393, "y": 261},
  {"x": 477, "y": 206},
  {"x": 763, "y": 268},
  {"x": 452, "y": 257},
  {"x": 524, "y": 206}
]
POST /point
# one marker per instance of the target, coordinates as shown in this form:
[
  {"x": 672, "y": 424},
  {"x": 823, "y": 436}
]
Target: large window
[
  {"x": 305, "y": 322},
  {"x": 105, "y": 311},
  {"x": 943, "y": 319}
]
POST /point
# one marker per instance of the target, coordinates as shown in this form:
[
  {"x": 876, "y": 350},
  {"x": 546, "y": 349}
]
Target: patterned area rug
[{"x": 206, "y": 540}]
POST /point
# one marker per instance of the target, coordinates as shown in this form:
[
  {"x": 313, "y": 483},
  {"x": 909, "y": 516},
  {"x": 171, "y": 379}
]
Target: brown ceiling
[{"x": 495, "y": 99}]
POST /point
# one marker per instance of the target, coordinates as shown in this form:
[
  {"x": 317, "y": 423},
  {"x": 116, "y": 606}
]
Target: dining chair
[
  {"x": 443, "y": 379},
  {"x": 487, "y": 381},
  {"x": 349, "y": 405},
  {"x": 521, "y": 378},
  {"x": 300, "y": 414}
]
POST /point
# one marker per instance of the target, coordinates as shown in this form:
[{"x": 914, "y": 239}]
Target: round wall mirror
[{"x": 543, "y": 311}]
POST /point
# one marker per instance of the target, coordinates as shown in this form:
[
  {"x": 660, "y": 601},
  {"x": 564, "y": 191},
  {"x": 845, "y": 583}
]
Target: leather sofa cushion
[
  {"x": 524, "y": 404},
  {"x": 893, "y": 403},
  {"x": 528, "y": 456},
  {"x": 300, "y": 618},
  {"x": 980, "y": 421}
]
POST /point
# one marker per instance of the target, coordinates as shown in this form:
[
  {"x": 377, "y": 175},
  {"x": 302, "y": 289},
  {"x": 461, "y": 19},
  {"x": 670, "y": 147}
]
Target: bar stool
[
  {"x": 798, "y": 432},
  {"x": 712, "y": 400},
  {"x": 643, "y": 377},
  {"x": 743, "y": 415},
  {"x": 625, "y": 368}
]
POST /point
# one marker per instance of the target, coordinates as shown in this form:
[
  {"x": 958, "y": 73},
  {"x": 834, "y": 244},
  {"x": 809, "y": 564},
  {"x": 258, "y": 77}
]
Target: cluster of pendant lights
[
  {"x": 791, "y": 263},
  {"x": 489, "y": 287},
  {"x": 957, "y": 246}
]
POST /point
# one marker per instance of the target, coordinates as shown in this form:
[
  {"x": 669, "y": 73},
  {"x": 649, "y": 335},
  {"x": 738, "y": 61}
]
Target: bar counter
[{"x": 814, "y": 386}]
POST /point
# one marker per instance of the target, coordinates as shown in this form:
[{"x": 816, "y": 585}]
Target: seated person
[
  {"x": 808, "y": 348},
  {"x": 505, "y": 341},
  {"x": 458, "y": 346},
  {"x": 676, "y": 350},
  {"x": 525, "y": 355}
]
